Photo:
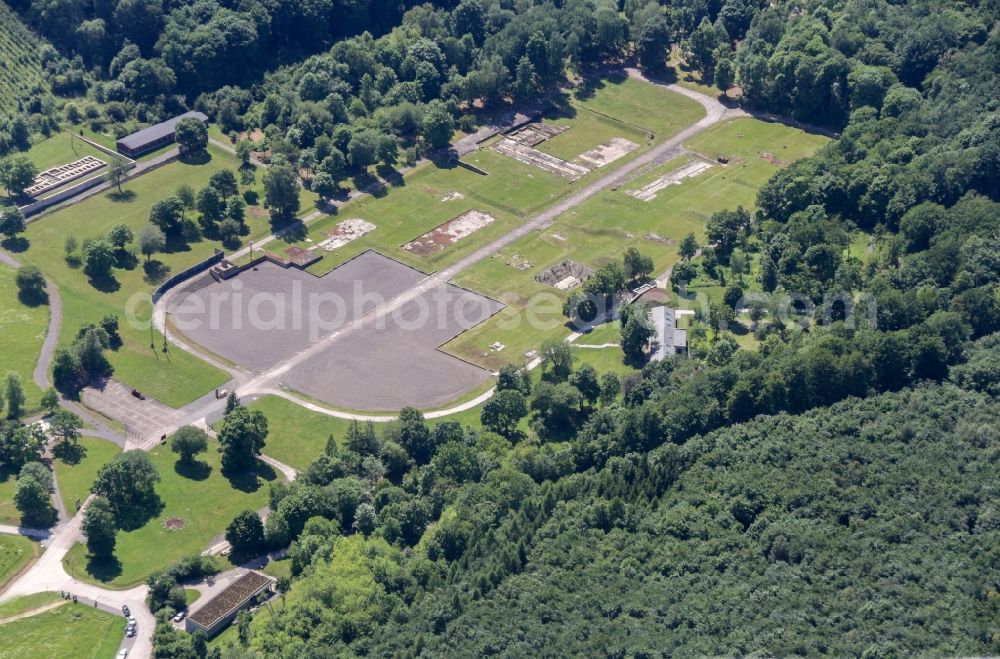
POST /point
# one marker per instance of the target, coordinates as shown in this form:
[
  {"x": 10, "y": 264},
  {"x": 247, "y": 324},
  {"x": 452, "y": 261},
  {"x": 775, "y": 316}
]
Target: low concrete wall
[
  {"x": 232, "y": 272},
  {"x": 59, "y": 197},
  {"x": 181, "y": 277}
]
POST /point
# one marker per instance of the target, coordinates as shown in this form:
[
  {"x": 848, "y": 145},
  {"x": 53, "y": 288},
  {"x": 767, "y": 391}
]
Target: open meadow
[
  {"x": 60, "y": 149},
  {"x": 15, "y": 552},
  {"x": 510, "y": 191},
  {"x": 198, "y": 501},
  {"x": 9, "y": 514},
  {"x": 68, "y": 630},
  {"x": 22, "y": 328},
  {"x": 603, "y": 227},
  {"x": 76, "y": 468}
]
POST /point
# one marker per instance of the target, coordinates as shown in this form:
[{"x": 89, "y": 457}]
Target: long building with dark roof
[
  {"x": 157, "y": 135},
  {"x": 222, "y": 609}
]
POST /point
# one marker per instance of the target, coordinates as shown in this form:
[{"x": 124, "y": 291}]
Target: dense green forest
[{"x": 868, "y": 527}]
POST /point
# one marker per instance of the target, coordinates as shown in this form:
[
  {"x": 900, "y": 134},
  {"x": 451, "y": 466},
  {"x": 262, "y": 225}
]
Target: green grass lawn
[
  {"x": 15, "y": 552},
  {"x": 605, "y": 360},
  {"x": 19, "y": 605},
  {"x": 202, "y": 497},
  {"x": 191, "y": 596},
  {"x": 180, "y": 378},
  {"x": 605, "y": 225},
  {"x": 605, "y": 333},
  {"x": 228, "y": 636},
  {"x": 509, "y": 193},
  {"x": 512, "y": 191},
  {"x": 619, "y": 107},
  {"x": 76, "y": 468},
  {"x": 70, "y": 630},
  {"x": 8, "y": 484},
  {"x": 60, "y": 149},
  {"x": 297, "y": 436},
  {"x": 279, "y": 568},
  {"x": 22, "y": 329}
]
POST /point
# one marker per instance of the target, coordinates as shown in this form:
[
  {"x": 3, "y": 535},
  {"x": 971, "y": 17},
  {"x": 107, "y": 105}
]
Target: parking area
[
  {"x": 140, "y": 416},
  {"x": 268, "y": 314}
]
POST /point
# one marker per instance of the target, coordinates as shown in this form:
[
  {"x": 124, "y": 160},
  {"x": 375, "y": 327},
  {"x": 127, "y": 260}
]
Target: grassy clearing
[
  {"x": 61, "y": 149},
  {"x": 175, "y": 379},
  {"x": 606, "y": 333},
  {"x": 70, "y": 630},
  {"x": 15, "y": 552},
  {"x": 688, "y": 77},
  {"x": 512, "y": 191},
  {"x": 604, "y": 226},
  {"x": 19, "y": 605},
  {"x": 22, "y": 329},
  {"x": 279, "y": 568},
  {"x": 77, "y": 469},
  {"x": 297, "y": 436},
  {"x": 8, "y": 484},
  {"x": 191, "y": 596},
  {"x": 202, "y": 496},
  {"x": 228, "y": 636}
]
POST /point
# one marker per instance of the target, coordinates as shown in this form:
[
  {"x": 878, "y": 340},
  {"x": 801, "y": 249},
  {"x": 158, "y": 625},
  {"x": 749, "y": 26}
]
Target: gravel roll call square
[{"x": 386, "y": 364}]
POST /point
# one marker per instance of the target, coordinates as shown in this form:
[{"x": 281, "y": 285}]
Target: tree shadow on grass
[
  {"x": 199, "y": 157},
  {"x": 123, "y": 197},
  {"x": 292, "y": 232},
  {"x": 103, "y": 568},
  {"x": 16, "y": 244},
  {"x": 33, "y": 298},
  {"x": 367, "y": 182},
  {"x": 70, "y": 453},
  {"x": 251, "y": 480},
  {"x": 105, "y": 284},
  {"x": 155, "y": 271},
  {"x": 559, "y": 107},
  {"x": 176, "y": 244},
  {"x": 196, "y": 470},
  {"x": 125, "y": 259},
  {"x": 391, "y": 176},
  {"x": 138, "y": 516}
]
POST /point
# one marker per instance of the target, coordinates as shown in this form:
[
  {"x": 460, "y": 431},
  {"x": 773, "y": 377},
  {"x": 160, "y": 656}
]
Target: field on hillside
[
  {"x": 511, "y": 191},
  {"x": 22, "y": 331},
  {"x": 604, "y": 226},
  {"x": 20, "y": 61},
  {"x": 175, "y": 379},
  {"x": 8, "y": 485},
  {"x": 18, "y": 605},
  {"x": 199, "y": 496},
  {"x": 62, "y": 148},
  {"x": 69, "y": 630},
  {"x": 15, "y": 552}
]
